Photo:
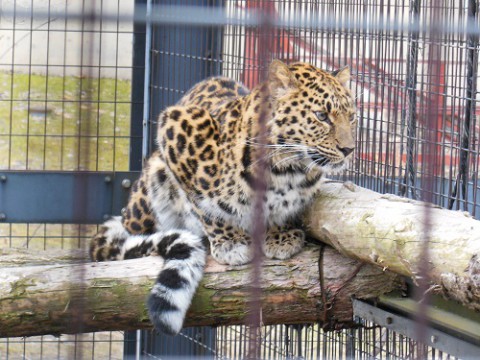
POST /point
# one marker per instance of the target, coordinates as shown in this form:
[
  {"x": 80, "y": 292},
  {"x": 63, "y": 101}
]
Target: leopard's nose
[{"x": 345, "y": 150}]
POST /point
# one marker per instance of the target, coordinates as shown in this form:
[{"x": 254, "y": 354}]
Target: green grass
[{"x": 63, "y": 123}]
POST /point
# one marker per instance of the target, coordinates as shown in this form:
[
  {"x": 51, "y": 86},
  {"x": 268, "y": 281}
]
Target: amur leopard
[{"x": 201, "y": 182}]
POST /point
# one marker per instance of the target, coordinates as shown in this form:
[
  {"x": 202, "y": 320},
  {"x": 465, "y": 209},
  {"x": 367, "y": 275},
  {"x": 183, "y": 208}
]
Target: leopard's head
[{"x": 314, "y": 120}]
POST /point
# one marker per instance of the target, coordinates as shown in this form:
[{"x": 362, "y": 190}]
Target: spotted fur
[{"x": 202, "y": 180}]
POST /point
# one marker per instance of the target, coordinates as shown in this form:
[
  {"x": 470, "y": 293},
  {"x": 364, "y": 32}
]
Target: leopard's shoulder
[
  {"x": 147, "y": 209},
  {"x": 210, "y": 94}
]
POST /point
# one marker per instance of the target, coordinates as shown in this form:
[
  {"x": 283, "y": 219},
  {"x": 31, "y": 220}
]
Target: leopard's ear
[
  {"x": 342, "y": 75},
  {"x": 280, "y": 79}
]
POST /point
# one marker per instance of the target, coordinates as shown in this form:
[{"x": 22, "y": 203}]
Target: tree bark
[
  {"x": 70, "y": 298},
  {"x": 387, "y": 230}
]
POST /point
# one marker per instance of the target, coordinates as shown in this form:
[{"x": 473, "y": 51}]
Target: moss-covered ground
[{"x": 63, "y": 123}]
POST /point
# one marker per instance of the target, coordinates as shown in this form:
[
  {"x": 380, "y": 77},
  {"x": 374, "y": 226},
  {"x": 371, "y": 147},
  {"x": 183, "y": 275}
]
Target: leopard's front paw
[
  {"x": 108, "y": 242},
  {"x": 232, "y": 253},
  {"x": 283, "y": 244},
  {"x": 99, "y": 247}
]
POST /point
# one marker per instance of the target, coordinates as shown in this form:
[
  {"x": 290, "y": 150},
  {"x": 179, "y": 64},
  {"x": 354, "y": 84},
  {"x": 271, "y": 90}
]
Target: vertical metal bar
[
  {"x": 64, "y": 86},
  {"x": 472, "y": 62},
  {"x": 429, "y": 157},
  {"x": 115, "y": 96},
  {"x": 138, "y": 342},
  {"x": 379, "y": 97},
  {"x": 146, "y": 84},
  {"x": 258, "y": 232},
  {"x": 411, "y": 84},
  {"x": 299, "y": 351},
  {"x": 98, "y": 89},
  {"x": 29, "y": 95},
  {"x": 80, "y": 205},
  {"x": 350, "y": 344},
  {"x": 47, "y": 68},
  {"x": 11, "y": 87},
  {"x": 137, "y": 96}
]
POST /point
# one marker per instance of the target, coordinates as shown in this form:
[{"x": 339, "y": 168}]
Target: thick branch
[
  {"x": 387, "y": 230},
  {"x": 10, "y": 257},
  {"x": 111, "y": 296}
]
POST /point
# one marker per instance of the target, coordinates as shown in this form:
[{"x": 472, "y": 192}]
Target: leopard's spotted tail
[
  {"x": 184, "y": 254},
  {"x": 170, "y": 298}
]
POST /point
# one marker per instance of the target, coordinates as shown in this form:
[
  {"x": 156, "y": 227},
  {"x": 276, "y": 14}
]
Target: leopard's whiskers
[
  {"x": 274, "y": 146},
  {"x": 310, "y": 166},
  {"x": 270, "y": 155},
  {"x": 319, "y": 162},
  {"x": 293, "y": 157},
  {"x": 251, "y": 142},
  {"x": 284, "y": 149},
  {"x": 277, "y": 149}
]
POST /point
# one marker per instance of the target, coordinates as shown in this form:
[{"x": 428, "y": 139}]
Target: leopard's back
[
  {"x": 156, "y": 201},
  {"x": 211, "y": 94}
]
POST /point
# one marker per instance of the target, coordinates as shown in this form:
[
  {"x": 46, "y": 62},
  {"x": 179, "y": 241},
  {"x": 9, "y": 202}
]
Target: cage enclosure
[{"x": 82, "y": 85}]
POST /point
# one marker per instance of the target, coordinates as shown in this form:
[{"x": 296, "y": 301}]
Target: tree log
[
  {"x": 51, "y": 299},
  {"x": 387, "y": 230},
  {"x": 10, "y": 257},
  {"x": 384, "y": 230}
]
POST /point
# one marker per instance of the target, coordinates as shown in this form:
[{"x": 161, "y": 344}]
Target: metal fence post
[
  {"x": 470, "y": 104},
  {"x": 136, "y": 129},
  {"x": 138, "y": 83},
  {"x": 411, "y": 84}
]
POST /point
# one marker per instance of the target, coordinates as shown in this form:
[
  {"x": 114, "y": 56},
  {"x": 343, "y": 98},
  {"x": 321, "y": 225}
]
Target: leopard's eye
[
  {"x": 353, "y": 118},
  {"x": 322, "y": 117}
]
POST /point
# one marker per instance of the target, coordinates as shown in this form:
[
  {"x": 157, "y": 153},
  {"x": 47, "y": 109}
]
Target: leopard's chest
[{"x": 287, "y": 197}]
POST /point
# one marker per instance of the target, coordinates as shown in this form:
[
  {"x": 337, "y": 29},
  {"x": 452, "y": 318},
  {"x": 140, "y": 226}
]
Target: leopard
[{"x": 197, "y": 191}]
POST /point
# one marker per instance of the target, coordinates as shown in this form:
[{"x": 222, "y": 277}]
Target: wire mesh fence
[
  {"x": 368, "y": 341},
  {"x": 72, "y": 98},
  {"x": 65, "y": 99},
  {"x": 54, "y": 69},
  {"x": 102, "y": 345}
]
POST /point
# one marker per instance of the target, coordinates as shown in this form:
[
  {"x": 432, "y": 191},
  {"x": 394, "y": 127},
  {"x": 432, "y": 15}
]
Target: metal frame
[
  {"x": 24, "y": 196},
  {"x": 138, "y": 89},
  {"x": 404, "y": 324}
]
